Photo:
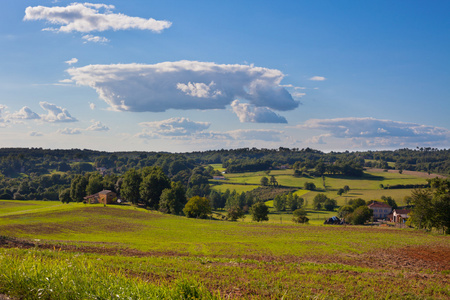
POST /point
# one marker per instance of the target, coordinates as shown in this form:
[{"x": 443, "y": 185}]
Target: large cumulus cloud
[
  {"x": 184, "y": 85},
  {"x": 87, "y": 17}
]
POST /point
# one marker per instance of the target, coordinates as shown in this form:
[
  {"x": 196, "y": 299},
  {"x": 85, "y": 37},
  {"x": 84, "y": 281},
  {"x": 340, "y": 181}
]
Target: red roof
[{"x": 378, "y": 204}]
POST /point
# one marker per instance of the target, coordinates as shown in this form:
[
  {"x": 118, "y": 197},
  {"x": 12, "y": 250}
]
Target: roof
[
  {"x": 105, "y": 192},
  {"x": 379, "y": 204}
]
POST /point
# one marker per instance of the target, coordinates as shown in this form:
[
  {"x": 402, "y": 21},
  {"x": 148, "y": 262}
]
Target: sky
[{"x": 182, "y": 76}]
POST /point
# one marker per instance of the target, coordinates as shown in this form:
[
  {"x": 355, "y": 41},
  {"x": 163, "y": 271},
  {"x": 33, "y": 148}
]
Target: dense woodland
[{"x": 38, "y": 173}]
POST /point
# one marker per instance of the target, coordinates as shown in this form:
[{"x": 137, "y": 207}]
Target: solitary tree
[
  {"x": 264, "y": 181},
  {"x": 346, "y": 189},
  {"x": 259, "y": 212},
  {"x": 173, "y": 200},
  {"x": 340, "y": 192},
  {"x": 64, "y": 196},
  {"x": 197, "y": 207}
]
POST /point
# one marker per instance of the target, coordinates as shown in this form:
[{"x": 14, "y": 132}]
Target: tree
[
  {"x": 346, "y": 189},
  {"x": 259, "y": 212},
  {"x": 234, "y": 213},
  {"x": 279, "y": 203},
  {"x": 299, "y": 216},
  {"x": 355, "y": 203},
  {"x": 152, "y": 185},
  {"x": 78, "y": 188},
  {"x": 340, "y": 192},
  {"x": 345, "y": 210},
  {"x": 310, "y": 186},
  {"x": 197, "y": 207},
  {"x": 329, "y": 204},
  {"x": 389, "y": 201},
  {"x": 319, "y": 200},
  {"x": 273, "y": 180},
  {"x": 173, "y": 200},
  {"x": 360, "y": 215},
  {"x": 130, "y": 186},
  {"x": 95, "y": 184},
  {"x": 264, "y": 181},
  {"x": 64, "y": 196}
]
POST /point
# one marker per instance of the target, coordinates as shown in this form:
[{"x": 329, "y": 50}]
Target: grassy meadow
[
  {"x": 366, "y": 187},
  {"x": 77, "y": 251}
]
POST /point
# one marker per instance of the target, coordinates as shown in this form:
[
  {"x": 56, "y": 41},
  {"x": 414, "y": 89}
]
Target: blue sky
[{"x": 196, "y": 75}]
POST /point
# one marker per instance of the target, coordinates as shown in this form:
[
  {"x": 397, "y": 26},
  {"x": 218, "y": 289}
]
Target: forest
[{"x": 42, "y": 174}]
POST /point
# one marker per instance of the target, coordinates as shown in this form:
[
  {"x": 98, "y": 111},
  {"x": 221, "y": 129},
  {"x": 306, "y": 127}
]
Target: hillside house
[
  {"x": 400, "y": 215},
  {"x": 104, "y": 197},
  {"x": 380, "y": 210}
]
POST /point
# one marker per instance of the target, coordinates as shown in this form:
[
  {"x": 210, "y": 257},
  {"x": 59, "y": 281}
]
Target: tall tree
[
  {"x": 152, "y": 186},
  {"x": 130, "y": 186}
]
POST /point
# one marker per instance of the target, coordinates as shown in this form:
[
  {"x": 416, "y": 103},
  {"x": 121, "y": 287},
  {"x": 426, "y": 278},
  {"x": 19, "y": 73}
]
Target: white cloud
[
  {"x": 71, "y": 61},
  {"x": 267, "y": 135},
  {"x": 374, "y": 132},
  {"x": 173, "y": 127},
  {"x": 97, "y": 126},
  {"x": 90, "y": 17},
  {"x": 92, "y": 105},
  {"x": 184, "y": 85},
  {"x": 318, "y": 140},
  {"x": 94, "y": 39},
  {"x": 317, "y": 78},
  {"x": 25, "y": 113},
  {"x": 66, "y": 81},
  {"x": 252, "y": 114},
  {"x": 3, "y": 121},
  {"x": 69, "y": 131},
  {"x": 198, "y": 89},
  {"x": 55, "y": 113}
]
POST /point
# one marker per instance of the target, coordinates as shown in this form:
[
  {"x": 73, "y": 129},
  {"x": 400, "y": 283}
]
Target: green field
[
  {"x": 77, "y": 251},
  {"x": 366, "y": 187}
]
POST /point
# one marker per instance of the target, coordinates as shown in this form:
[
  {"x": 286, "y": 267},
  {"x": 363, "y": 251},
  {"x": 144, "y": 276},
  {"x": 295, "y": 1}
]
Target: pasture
[
  {"x": 122, "y": 251},
  {"x": 366, "y": 187}
]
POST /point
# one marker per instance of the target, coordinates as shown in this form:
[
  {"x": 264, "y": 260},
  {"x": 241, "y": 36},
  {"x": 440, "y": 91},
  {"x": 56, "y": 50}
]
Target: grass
[{"x": 100, "y": 252}]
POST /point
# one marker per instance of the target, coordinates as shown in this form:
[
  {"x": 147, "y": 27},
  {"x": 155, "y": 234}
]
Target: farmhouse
[
  {"x": 400, "y": 215},
  {"x": 104, "y": 197},
  {"x": 380, "y": 210}
]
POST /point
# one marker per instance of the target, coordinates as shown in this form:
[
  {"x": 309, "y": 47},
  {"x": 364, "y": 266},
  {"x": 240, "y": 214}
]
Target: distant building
[
  {"x": 104, "y": 197},
  {"x": 400, "y": 215},
  {"x": 380, "y": 210},
  {"x": 218, "y": 177}
]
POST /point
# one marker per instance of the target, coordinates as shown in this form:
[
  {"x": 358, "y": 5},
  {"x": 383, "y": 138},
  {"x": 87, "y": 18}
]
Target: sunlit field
[{"x": 93, "y": 249}]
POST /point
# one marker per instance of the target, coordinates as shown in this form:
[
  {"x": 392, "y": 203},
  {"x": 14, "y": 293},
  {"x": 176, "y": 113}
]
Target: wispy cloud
[
  {"x": 173, "y": 127},
  {"x": 184, "y": 85},
  {"x": 97, "y": 126},
  {"x": 94, "y": 39},
  {"x": 71, "y": 61},
  {"x": 69, "y": 131},
  {"x": 252, "y": 114},
  {"x": 317, "y": 78},
  {"x": 373, "y": 132},
  {"x": 88, "y": 17}
]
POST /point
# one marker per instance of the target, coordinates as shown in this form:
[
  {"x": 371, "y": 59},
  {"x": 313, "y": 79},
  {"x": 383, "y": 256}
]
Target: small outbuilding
[
  {"x": 104, "y": 197},
  {"x": 400, "y": 215}
]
